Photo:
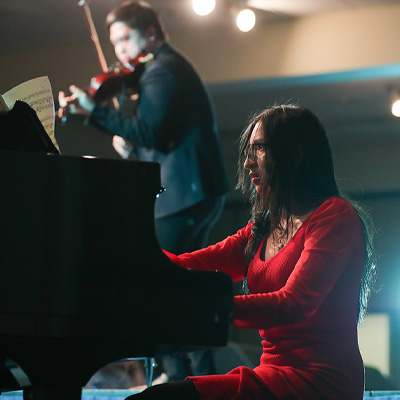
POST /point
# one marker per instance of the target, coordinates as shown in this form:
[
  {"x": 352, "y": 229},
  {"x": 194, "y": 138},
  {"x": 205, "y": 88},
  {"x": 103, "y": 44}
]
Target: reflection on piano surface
[{"x": 84, "y": 281}]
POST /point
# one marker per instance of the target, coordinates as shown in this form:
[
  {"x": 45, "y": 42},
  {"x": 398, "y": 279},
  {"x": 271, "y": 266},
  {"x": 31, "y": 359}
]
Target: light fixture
[
  {"x": 395, "y": 98},
  {"x": 396, "y": 108},
  {"x": 245, "y": 20},
  {"x": 203, "y": 7}
]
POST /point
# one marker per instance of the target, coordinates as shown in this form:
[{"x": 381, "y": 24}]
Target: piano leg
[
  {"x": 149, "y": 364},
  {"x": 52, "y": 393}
]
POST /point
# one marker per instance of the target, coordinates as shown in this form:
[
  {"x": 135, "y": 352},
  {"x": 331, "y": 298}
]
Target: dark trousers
[{"x": 179, "y": 233}]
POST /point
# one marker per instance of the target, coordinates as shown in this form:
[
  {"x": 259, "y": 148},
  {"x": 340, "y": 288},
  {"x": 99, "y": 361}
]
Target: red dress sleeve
[
  {"x": 227, "y": 256},
  {"x": 331, "y": 235}
]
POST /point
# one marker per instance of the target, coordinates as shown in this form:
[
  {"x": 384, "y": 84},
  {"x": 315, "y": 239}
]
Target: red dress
[{"x": 303, "y": 301}]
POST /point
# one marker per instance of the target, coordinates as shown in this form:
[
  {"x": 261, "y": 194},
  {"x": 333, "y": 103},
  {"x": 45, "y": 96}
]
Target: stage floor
[
  {"x": 87, "y": 394},
  {"x": 102, "y": 394}
]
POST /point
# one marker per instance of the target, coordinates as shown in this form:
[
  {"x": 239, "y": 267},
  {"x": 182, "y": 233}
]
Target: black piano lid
[{"x": 84, "y": 281}]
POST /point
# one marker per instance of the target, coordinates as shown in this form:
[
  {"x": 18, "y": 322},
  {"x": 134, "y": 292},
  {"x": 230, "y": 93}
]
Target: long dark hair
[{"x": 301, "y": 173}]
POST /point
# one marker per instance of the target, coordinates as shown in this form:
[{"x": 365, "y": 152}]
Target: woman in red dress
[{"x": 307, "y": 265}]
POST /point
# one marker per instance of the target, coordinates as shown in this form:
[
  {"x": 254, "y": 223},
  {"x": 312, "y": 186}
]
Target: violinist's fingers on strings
[
  {"x": 61, "y": 113},
  {"x": 65, "y": 101},
  {"x": 76, "y": 91},
  {"x": 62, "y": 99}
]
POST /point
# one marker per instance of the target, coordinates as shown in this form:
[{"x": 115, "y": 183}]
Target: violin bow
[{"x": 93, "y": 34}]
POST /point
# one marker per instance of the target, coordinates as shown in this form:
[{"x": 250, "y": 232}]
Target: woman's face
[
  {"x": 258, "y": 160},
  {"x": 128, "y": 43}
]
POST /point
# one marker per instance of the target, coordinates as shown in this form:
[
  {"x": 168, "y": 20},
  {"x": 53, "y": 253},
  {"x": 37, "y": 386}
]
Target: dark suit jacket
[{"x": 174, "y": 126}]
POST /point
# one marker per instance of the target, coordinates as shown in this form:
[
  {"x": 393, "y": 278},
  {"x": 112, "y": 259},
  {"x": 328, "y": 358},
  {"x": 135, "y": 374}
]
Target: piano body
[{"x": 84, "y": 281}]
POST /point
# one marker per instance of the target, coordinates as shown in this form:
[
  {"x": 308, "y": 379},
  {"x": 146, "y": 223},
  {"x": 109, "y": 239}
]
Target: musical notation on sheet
[{"x": 38, "y": 94}]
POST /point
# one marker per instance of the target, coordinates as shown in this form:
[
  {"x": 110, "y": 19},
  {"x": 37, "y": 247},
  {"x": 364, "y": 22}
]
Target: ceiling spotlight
[
  {"x": 396, "y": 108},
  {"x": 395, "y": 98},
  {"x": 203, "y": 7},
  {"x": 246, "y": 20}
]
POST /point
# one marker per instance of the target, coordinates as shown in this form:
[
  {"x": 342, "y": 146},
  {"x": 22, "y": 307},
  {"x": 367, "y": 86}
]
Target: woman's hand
[{"x": 77, "y": 103}]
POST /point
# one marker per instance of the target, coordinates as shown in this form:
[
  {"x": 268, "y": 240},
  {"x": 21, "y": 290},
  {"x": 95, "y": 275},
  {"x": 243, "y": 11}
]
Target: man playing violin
[{"x": 174, "y": 125}]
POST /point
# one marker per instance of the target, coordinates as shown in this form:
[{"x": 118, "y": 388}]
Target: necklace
[
  {"x": 278, "y": 240},
  {"x": 280, "y": 237}
]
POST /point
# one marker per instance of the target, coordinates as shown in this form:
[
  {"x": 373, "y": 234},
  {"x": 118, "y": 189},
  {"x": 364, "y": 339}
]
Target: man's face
[{"x": 128, "y": 43}]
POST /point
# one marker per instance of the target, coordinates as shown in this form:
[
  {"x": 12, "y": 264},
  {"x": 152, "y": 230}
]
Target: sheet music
[
  {"x": 38, "y": 94},
  {"x": 3, "y": 105}
]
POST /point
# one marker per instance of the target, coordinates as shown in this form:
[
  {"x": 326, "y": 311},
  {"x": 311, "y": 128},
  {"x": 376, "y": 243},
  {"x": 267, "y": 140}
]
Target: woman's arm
[{"x": 227, "y": 256}]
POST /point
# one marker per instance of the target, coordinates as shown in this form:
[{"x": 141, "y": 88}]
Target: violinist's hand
[
  {"x": 122, "y": 147},
  {"x": 77, "y": 103}
]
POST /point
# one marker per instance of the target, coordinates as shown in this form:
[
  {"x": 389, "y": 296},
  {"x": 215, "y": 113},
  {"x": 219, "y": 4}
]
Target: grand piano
[{"x": 84, "y": 281}]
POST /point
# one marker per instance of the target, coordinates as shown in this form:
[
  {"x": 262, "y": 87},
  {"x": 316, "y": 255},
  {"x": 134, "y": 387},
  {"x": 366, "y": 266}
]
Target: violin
[{"x": 118, "y": 79}]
